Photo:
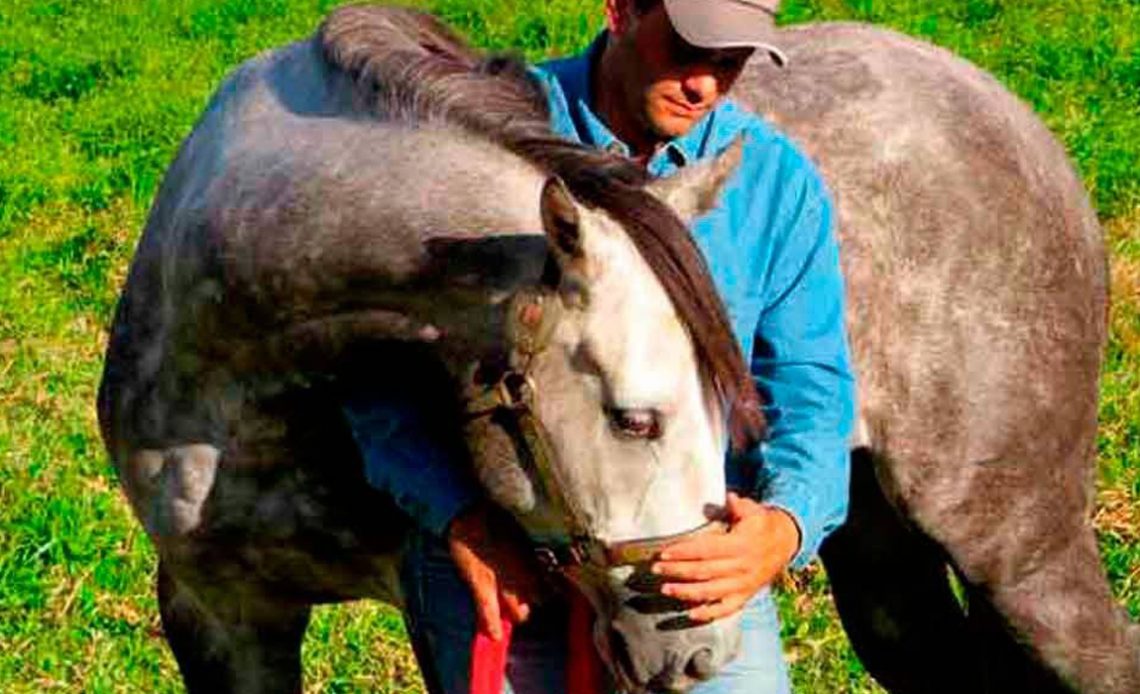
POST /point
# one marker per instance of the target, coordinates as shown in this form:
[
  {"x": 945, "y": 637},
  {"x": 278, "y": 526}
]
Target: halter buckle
[
  {"x": 555, "y": 560},
  {"x": 515, "y": 390},
  {"x": 547, "y": 559}
]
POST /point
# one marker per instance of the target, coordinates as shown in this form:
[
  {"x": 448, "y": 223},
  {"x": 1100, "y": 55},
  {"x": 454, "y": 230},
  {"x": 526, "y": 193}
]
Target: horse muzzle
[{"x": 652, "y": 646}]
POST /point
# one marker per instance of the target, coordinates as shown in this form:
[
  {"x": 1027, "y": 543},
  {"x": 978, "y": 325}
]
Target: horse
[
  {"x": 378, "y": 206},
  {"x": 977, "y": 289},
  {"x": 302, "y": 238}
]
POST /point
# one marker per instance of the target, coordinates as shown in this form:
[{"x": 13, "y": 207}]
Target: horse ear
[
  {"x": 694, "y": 190},
  {"x": 560, "y": 219}
]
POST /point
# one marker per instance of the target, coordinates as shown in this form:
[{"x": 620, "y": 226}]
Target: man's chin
[{"x": 668, "y": 127}]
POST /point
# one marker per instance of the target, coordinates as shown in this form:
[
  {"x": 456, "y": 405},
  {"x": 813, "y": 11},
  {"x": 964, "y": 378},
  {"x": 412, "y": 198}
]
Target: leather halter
[{"x": 532, "y": 318}]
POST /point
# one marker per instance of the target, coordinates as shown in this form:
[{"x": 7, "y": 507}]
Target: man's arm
[
  {"x": 406, "y": 458},
  {"x": 802, "y": 368},
  {"x": 417, "y": 464}
]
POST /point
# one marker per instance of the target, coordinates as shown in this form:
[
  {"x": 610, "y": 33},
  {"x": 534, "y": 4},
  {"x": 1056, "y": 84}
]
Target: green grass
[{"x": 94, "y": 97}]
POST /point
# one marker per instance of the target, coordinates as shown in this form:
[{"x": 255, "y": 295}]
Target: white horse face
[{"x": 638, "y": 438}]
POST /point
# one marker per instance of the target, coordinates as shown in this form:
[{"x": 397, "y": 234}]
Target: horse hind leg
[
  {"x": 227, "y": 649},
  {"x": 1007, "y": 663},
  {"x": 1057, "y": 628},
  {"x": 894, "y": 597}
]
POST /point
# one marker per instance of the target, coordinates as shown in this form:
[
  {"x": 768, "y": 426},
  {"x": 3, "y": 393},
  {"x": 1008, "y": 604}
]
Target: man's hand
[
  {"x": 492, "y": 559},
  {"x": 719, "y": 574}
]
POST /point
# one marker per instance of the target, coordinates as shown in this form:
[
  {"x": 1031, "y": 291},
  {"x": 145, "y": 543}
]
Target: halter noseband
[{"x": 532, "y": 317}]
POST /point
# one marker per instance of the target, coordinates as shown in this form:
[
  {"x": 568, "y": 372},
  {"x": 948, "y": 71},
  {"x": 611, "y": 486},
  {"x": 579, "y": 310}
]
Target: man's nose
[{"x": 701, "y": 87}]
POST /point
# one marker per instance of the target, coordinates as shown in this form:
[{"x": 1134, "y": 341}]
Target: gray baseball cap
[{"x": 728, "y": 24}]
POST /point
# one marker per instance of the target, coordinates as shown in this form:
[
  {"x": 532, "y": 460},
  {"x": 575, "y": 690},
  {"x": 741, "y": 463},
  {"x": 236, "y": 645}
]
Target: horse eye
[{"x": 638, "y": 424}]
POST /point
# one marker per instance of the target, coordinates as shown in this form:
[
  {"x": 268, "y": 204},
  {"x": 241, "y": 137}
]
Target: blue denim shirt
[{"x": 772, "y": 252}]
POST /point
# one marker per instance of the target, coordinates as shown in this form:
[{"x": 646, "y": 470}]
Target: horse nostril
[{"x": 700, "y": 666}]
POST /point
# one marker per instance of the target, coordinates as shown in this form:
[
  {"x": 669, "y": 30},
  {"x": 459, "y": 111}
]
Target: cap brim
[{"x": 732, "y": 25}]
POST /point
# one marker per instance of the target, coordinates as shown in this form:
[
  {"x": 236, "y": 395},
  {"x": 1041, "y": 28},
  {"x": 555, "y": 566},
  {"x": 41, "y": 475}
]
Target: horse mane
[{"x": 412, "y": 68}]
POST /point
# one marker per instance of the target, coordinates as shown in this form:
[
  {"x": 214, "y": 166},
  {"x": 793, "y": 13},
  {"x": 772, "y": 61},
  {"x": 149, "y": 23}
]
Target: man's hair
[{"x": 643, "y": 6}]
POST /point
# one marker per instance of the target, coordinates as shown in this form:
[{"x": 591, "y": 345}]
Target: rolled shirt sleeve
[
  {"x": 408, "y": 458},
  {"x": 801, "y": 366}
]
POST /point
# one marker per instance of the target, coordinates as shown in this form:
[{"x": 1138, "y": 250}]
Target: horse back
[{"x": 976, "y": 279}]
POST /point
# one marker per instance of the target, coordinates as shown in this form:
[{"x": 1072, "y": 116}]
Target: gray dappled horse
[
  {"x": 359, "y": 208},
  {"x": 378, "y": 208}
]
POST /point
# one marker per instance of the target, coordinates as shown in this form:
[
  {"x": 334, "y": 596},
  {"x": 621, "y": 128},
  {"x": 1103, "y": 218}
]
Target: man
[{"x": 651, "y": 87}]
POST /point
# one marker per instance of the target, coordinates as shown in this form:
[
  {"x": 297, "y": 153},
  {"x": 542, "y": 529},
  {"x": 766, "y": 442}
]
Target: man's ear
[
  {"x": 694, "y": 190},
  {"x": 561, "y": 221}
]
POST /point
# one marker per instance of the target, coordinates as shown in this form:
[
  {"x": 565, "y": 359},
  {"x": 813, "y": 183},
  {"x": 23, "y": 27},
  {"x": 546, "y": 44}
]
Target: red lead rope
[
  {"x": 489, "y": 661},
  {"x": 585, "y": 672}
]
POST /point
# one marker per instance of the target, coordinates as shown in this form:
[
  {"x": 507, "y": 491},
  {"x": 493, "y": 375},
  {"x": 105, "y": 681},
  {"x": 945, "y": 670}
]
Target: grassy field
[{"x": 94, "y": 97}]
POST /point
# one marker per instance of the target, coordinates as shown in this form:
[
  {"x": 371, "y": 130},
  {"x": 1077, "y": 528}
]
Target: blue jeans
[{"x": 440, "y": 616}]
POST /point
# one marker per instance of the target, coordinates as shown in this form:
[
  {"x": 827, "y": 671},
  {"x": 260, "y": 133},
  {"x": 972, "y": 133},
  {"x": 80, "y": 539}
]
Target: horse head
[{"x": 616, "y": 436}]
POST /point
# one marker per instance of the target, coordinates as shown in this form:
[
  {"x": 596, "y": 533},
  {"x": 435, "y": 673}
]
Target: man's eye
[
  {"x": 638, "y": 424},
  {"x": 727, "y": 62},
  {"x": 732, "y": 59},
  {"x": 683, "y": 52}
]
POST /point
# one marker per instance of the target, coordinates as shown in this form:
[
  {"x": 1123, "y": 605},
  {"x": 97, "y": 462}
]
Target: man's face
[{"x": 668, "y": 83}]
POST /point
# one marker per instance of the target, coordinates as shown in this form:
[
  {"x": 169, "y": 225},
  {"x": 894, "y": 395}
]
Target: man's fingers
[
  {"x": 699, "y": 570},
  {"x": 702, "y": 548},
  {"x": 486, "y": 594},
  {"x": 516, "y": 609},
  {"x": 484, "y": 591},
  {"x": 706, "y": 591}
]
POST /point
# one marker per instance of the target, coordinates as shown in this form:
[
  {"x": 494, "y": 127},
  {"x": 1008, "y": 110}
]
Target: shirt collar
[{"x": 577, "y": 86}]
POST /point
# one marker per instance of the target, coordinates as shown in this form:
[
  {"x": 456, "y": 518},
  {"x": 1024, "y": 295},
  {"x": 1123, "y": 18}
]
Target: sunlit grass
[{"x": 94, "y": 97}]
